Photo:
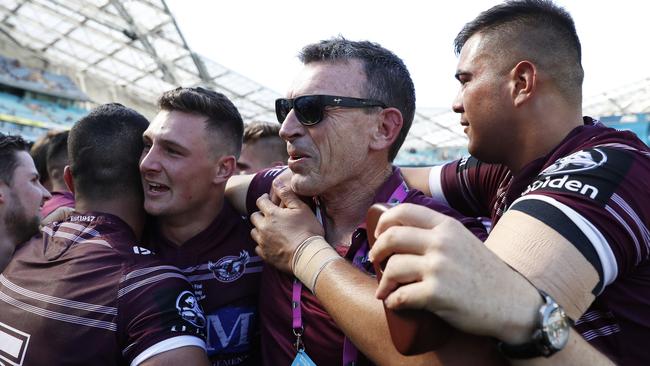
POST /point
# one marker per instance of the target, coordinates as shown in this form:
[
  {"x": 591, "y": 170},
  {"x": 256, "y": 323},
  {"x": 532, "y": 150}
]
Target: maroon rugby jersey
[
  {"x": 58, "y": 199},
  {"x": 323, "y": 340},
  {"x": 86, "y": 293},
  {"x": 222, "y": 265},
  {"x": 593, "y": 188}
]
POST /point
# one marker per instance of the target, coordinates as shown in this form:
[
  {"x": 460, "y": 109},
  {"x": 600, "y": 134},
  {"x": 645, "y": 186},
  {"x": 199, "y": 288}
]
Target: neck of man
[
  {"x": 59, "y": 186},
  {"x": 543, "y": 133},
  {"x": 346, "y": 205},
  {"x": 181, "y": 227},
  {"x": 128, "y": 209}
]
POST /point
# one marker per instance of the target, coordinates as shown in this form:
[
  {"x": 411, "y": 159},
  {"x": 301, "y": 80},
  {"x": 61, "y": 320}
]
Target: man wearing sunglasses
[{"x": 344, "y": 120}]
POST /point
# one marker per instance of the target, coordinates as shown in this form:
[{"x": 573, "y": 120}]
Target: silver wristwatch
[{"x": 550, "y": 336}]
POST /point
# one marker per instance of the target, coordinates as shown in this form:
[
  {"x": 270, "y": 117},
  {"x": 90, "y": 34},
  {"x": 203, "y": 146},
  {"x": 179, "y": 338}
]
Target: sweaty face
[
  {"x": 332, "y": 152},
  {"x": 24, "y": 200},
  {"x": 482, "y": 101},
  {"x": 177, "y": 166}
]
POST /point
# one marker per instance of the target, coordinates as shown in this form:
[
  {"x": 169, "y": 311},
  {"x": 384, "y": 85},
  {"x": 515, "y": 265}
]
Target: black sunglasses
[{"x": 309, "y": 109}]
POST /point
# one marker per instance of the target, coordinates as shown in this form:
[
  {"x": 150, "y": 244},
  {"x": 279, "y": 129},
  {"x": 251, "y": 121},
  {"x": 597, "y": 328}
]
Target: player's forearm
[
  {"x": 576, "y": 352},
  {"x": 236, "y": 191},
  {"x": 348, "y": 296}
]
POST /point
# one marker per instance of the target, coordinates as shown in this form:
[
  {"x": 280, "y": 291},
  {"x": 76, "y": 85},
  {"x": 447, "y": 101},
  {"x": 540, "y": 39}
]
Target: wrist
[
  {"x": 522, "y": 320},
  {"x": 311, "y": 258},
  {"x": 550, "y": 334}
]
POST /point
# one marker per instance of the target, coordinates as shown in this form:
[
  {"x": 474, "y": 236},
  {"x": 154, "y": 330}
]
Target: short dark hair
[
  {"x": 270, "y": 133},
  {"x": 223, "y": 118},
  {"x": 9, "y": 146},
  {"x": 57, "y": 155},
  {"x": 256, "y": 130},
  {"x": 387, "y": 78},
  {"x": 38, "y": 151},
  {"x": 537, "y": 30},
  {"x": 104, "y": 148}
]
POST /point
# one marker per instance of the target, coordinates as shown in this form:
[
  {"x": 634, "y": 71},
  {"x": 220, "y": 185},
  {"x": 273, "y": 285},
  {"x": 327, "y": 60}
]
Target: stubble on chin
[{"x": 22, "y": 228}]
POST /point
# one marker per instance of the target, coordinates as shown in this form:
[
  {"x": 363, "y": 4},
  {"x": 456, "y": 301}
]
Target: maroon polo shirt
[
  {"x": 594, "y": 189},
  {"x": 87, "y": 293},
  {"x": 322, "y": 338}
]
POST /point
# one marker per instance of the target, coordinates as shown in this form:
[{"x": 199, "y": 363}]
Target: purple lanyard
[{"x": 350, "y": 352}]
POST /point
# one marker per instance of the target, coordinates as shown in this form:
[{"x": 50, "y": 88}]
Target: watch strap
[{"x": 537, "y": 346}]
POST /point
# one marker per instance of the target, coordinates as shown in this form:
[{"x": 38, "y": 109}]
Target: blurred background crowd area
[{"x": 58, "y": 59}]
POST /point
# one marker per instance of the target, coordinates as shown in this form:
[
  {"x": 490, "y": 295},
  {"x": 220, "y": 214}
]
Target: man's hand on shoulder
[{"x": 280, "y": 228}]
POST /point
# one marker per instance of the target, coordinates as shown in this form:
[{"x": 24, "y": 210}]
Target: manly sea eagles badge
[{"x": 229, "y": 268}]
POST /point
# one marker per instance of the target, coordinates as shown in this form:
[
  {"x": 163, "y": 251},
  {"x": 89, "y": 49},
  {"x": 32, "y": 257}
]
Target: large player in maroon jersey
[
  {"x": 190, "y": 151},
  {"x": 567, "y": 197},
  {"x": 86, "y": 292}
]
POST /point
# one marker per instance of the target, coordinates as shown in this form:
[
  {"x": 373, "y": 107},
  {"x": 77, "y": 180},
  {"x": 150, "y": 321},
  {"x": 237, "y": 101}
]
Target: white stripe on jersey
[
  {"x": 435, "y": 184},
  {"x": 58, "y": 316},
  {"x": 57, "y": 300},
  {"x": 75, "y": 238},
  {"x": 601, "y": 332},
  {"x": 147, "y": 270},
  {"x": 167, "y": 345},
  {"x": 645, "y": 233},
  {"x": 607, "y": 258},
  {"x": 83, "y": 229},
  {"x": 594, "y": 315},
  {"x": 629, "y": 231},
  {"x": 125, "y": 290},
  {"x": 204, "y": 266},
  {"x": 210, "y": 276}
]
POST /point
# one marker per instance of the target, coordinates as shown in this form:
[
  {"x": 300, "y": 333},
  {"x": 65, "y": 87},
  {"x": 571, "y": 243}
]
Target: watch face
[{"x": 557, "y": 328}]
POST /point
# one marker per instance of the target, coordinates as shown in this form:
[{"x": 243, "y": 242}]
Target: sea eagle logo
[
  {"x": 577, "y": 162},
  {"x": 230, "y": 268},
  {"x": 189, "y": 309}
]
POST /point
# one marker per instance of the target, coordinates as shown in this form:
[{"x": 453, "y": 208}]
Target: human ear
[
  {"x": 523, "y": 81},
  {"x": 388, "y": 128},
  {"x": 224, "y": 167}
]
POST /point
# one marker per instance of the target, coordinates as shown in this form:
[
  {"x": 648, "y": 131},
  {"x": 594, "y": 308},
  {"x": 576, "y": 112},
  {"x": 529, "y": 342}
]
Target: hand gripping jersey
[
  {"x": 225, "y": 272},
  {"x": 593, "y": 189},
  {"x": 86, "y": 293},
  {"x": 323, "y": 340}
]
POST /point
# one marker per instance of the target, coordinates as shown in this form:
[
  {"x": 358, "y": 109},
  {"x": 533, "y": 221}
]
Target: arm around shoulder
[{"x": 237, "y": 190}]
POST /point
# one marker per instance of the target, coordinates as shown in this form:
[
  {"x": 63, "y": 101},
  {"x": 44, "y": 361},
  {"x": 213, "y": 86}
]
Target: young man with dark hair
[
  {"x": 38, "y": 151},
  {"x": 263, "y": 148},
  {"x": 87, "y": 292},
  {"x": 57, "y": 159},
  {"x": 190, "y": 151},
  {"x": 343, "y": 121},
  {"x": 567, "y": 197},
  {"x": 21, "y": 196}
]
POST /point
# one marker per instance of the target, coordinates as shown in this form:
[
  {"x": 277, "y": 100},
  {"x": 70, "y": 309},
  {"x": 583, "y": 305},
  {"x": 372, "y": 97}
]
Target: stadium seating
[{"x": 40, "y": 81}]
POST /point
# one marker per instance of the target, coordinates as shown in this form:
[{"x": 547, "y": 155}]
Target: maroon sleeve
[
  {"x": 471, "y": 186},
  {"x": 261, "y": 184},
  {"x": 156, "y": 303},
  {"x": 597, "y": 198}
]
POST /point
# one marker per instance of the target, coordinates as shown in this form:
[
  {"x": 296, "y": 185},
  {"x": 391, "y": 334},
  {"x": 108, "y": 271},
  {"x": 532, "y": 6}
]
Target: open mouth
[{"x": 157, "y": 188}]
